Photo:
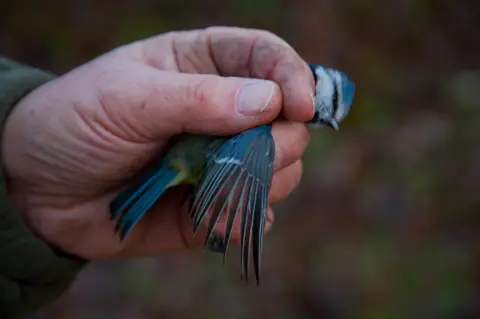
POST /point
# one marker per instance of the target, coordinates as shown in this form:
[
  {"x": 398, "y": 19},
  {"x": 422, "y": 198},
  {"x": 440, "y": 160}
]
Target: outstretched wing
[{"x": 236, "y": 182}]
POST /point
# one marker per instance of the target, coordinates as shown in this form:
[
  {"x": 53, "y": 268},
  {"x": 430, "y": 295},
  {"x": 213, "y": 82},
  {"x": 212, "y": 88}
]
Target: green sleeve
[{"x": 32, "y": 273}]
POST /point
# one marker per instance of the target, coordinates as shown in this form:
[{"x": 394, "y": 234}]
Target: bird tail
[{"x": 137, "y": 199}]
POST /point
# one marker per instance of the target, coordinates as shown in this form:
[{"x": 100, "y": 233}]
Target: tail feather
[
  {"x": 133, "y": 203},
  {"x": 126, "y": 197}
]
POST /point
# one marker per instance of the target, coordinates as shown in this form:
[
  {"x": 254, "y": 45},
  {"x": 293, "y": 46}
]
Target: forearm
[{"x": 31, "y": 272}]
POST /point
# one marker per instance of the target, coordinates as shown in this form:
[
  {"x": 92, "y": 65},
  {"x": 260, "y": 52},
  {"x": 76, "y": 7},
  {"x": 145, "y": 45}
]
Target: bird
[{"x": 230, "y": 176}]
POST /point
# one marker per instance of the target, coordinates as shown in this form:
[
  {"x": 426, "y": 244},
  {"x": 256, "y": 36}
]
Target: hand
[{"x": 73, "y": 143}]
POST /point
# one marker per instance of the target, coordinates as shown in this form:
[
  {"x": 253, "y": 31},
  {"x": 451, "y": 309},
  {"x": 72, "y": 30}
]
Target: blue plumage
[
  {"x": 232, "y": 175},
  {"x": 157, "y": 185},
  {"x": 237, "y": 181},
  {"x": 334, "y": 94},
  {"x": 125, "y": 198},
  {"x": 182, "y": 165}
]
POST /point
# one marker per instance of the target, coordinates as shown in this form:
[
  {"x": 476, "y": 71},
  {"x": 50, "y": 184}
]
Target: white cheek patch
[
  {"x": 324, "y": 91},
  {"x": 340, "y": 107}
]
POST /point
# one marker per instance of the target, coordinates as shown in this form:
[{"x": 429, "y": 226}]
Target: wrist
[
  {"x": 17, "y": 81},
  {"x": 32, "y": 273}
]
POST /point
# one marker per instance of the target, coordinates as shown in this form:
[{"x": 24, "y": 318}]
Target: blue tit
[
  {"x": 231, "y": 176},
  {"x": 334, "y": 94}
]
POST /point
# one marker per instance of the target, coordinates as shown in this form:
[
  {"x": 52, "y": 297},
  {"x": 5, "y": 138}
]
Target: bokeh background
[{"x": 386, "y": 222}]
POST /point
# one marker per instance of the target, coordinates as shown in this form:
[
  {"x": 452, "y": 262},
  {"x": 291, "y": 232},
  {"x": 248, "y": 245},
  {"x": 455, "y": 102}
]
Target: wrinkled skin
[{"x": 73, "y": 143}]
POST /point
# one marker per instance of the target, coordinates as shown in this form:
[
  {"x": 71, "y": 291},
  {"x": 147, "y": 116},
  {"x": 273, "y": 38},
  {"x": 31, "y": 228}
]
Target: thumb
[{"x": 204, "y": 104}]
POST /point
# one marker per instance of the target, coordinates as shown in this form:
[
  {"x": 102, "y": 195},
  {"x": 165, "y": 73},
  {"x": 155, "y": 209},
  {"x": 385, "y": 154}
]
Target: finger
[
  {"x": 231, "y": 51},
  {"x": 170, "y": 103},
  {"x": 291, "y": 140},
  {"x": 284, "y": 182}
]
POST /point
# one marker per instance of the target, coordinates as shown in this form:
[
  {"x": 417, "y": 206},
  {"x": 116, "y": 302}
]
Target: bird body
[
  {"x": 231, "y": 175},
  {"x": 182, "y": 164}
]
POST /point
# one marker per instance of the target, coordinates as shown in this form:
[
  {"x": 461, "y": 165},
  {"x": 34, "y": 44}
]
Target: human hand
[{"x": 73, "y": 143}]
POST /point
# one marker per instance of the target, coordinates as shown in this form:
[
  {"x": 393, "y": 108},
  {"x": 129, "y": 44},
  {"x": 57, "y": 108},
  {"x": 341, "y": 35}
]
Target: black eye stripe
[
  {"x": 335, "y": 92},
  {"x": 313, "y": 68},
  {"x": 335, "y": 98},
  {"x": 316, "y": 117}
]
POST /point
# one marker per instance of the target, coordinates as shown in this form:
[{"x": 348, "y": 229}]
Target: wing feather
[{"x": 237, "y": 180}]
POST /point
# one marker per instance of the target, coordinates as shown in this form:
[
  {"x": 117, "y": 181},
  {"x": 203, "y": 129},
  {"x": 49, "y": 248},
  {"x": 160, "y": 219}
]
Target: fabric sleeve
[{"x": 32, "y": 273}]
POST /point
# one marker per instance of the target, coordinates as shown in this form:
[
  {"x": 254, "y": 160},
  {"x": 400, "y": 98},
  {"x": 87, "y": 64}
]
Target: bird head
[{"x": 334, "y": 94}]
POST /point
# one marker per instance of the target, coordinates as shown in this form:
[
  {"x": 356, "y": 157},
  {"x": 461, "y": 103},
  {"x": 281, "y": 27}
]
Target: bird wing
[{"x": 236, "y": 182}]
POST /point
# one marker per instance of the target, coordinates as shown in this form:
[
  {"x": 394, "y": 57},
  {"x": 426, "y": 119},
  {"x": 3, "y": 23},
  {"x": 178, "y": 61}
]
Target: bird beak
[{"x": 333, "y": 124}]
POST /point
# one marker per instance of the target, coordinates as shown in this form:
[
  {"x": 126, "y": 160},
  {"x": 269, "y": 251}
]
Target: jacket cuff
[
  {"x": 32, "y": 273},
  {"x": 16, "y": 81}
]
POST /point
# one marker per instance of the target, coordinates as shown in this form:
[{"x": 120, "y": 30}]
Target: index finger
[{"x": 241, "y": 52}]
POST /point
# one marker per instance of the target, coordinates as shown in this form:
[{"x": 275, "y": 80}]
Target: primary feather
[{"x": 236, "y": 182}]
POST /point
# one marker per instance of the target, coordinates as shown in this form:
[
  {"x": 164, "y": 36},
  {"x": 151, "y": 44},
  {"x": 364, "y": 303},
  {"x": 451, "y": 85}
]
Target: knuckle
[
  {"x": 214, "y": 29},
  {"x": 291, "y": 140},
  {"x": 294, "y": 175},
  {"x": 212, "y": 97},
  {"x": 269, "y": 36},
  {"x": 285, "y": 181},
  {"x": 199, "y": 90}
]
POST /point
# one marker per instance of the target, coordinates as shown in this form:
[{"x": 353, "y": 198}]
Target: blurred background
[{"x": 386, "y": 223}]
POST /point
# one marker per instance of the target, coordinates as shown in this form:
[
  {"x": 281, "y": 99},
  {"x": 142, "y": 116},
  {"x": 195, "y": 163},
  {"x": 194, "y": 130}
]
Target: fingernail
[
  {"x": 312, "y": 95},
  {"x": 277, "y": 161},
  {"x": 254, "y": 97}
]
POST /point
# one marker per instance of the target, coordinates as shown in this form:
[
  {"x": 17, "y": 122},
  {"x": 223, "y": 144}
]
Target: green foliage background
[{"x": 386, "y": 221}]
